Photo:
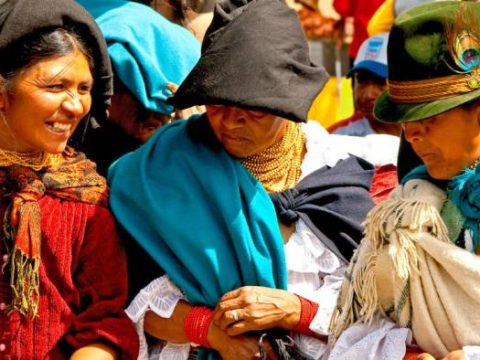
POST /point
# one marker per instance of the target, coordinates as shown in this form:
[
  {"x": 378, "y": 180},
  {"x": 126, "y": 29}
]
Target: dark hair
[
  {"x": 44, "y": 44},
  {"x": 179, "y": 8}
]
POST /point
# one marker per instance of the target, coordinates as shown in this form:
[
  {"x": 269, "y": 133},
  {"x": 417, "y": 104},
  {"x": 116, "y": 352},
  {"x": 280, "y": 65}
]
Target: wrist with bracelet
[
  {"x": 308, "y": 310},
  {"x": 196, "y": 325}
]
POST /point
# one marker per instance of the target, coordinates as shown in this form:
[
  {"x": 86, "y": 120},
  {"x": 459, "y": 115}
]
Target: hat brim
[
  {"x": 374, "y": 67},
  {"x": 388, "y": 111}
]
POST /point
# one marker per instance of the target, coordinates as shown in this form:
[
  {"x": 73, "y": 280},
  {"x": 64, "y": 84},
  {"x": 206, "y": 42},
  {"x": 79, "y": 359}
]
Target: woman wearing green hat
[{"x": 416, "y": 277}]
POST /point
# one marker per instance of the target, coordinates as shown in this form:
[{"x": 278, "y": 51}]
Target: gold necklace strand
[
  {"x": 279, "y": 166},
  {"x": 33, "y": 160}
]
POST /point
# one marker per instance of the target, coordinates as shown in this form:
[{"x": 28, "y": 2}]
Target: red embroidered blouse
[{"x": 83, "y": 288}]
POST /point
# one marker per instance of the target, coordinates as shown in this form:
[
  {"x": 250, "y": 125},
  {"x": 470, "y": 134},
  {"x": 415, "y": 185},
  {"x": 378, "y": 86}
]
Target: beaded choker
[{"x": 279, "y": 167}]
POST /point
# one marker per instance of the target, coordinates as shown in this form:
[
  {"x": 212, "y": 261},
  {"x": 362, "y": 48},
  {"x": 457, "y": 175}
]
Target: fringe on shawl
[
  {"x": 25, "y": 284},
  {"x": 399, "y": 224},
  {"x": 24, "y": 266}
]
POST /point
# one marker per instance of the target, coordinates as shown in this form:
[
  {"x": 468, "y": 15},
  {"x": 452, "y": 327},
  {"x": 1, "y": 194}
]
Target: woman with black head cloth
[
  {"x": 63, "y": 281},
  {"x": 198, "y": 201}
]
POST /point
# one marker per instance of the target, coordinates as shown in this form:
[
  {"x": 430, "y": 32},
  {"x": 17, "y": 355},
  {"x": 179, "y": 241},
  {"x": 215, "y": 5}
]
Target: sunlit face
[
  {"x": 45, "y": 104},
  {"x": 245, "y": 132},
  {"x": 136, "y": 121},
  {"x": 446, "y": 143}
]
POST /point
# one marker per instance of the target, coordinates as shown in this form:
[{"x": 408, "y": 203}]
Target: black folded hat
[
  {"x": 254, "y": 56},
  {"x": 19, "y": 18}
]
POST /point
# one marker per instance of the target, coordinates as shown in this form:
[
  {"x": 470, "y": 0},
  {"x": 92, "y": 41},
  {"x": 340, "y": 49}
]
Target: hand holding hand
[
  {"x": 232, "y": 348},
  {"x": 256, "y": 308}
]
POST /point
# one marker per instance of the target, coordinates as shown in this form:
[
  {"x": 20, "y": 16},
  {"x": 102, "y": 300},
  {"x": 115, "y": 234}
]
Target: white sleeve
[
  {"x": 380, "y": 340},
  {"x": 324, "y": 148},
  {"x": 326, "y": 297},
  {"x": 379, "y": 149},
  {"x": 315, "y": 273},
  {"x": 472, "y": 352},
  {"x": 160, "y": 296}
]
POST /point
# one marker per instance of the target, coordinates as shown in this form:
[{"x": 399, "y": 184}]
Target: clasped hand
[
  {"x": 253, "y": 308},
  {"x": 250, "y": 308}
]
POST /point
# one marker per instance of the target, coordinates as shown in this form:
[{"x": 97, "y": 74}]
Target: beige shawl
[{"x": 408, "y": 270}]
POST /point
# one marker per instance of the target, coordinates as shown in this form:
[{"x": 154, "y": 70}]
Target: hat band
[{"x": 410, "y": 92}]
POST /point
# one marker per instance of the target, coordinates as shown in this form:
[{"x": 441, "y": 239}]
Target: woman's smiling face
[{"x": 45, "y": 103}]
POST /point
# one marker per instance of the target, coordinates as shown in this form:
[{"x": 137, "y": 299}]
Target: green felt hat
[{"x": 433, "y": 61}]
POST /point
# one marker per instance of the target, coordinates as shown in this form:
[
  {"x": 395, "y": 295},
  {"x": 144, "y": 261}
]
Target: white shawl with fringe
[{"x": 408, "y": 270}]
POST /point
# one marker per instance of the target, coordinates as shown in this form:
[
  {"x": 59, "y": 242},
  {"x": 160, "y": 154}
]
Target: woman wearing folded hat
[
  {"x": 63, "y": 280},
  {"x": 189, "y": 199},
  {"x": 415, "y": 277},
  {"x": 148, "y": 52}
]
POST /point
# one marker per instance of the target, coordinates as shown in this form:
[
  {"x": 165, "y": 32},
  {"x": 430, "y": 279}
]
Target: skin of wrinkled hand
[{"x": 252, "y": 308}]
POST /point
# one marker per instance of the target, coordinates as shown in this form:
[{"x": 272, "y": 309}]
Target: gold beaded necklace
[
  {"x": 279, "y": 166},
  {"x": 34, "y": 160}
]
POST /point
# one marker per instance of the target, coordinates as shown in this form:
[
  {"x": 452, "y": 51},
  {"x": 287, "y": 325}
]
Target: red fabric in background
[
  {"x": 383, "y": 182},
  {"x": 361, "y": 11}
]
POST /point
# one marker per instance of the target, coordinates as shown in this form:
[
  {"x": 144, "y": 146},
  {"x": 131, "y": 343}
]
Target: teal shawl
[{"x": 199, "y": 213}]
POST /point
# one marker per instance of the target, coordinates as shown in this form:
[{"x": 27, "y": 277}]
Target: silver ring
[{"x": 235, "y": 315}]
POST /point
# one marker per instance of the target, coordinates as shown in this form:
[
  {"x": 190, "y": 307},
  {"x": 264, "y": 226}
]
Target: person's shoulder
[
  {"x": 420, "y": 190},
  {"x": 344, "y": 122},
  {"x": 358, "y": 127},
  {"x": 379, "y": 149}
]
